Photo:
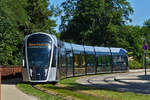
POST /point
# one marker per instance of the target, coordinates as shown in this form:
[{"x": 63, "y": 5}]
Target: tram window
[
  {"x": 54, "y": 57},
  {"x": 76, "y": 60},
  {"x": 107, "y": 60},
  {"x": 90, "y": 60},
  {"x": 79, "y": 60},
  {"x": 103, "y": 61},
  {"x": 69, "y": 59},
  {"x": 99, "y": 60},
  {"x": 82, "y": 61},
  {"x": 117, "y": 60},
  {"x": 63, "y": 59}
]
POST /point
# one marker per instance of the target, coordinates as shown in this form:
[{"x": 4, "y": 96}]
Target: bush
[{"x": 134, "y": 65}]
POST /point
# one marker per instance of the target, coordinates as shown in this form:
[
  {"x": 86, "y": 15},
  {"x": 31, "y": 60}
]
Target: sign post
[{"x": 145, "y": 48}]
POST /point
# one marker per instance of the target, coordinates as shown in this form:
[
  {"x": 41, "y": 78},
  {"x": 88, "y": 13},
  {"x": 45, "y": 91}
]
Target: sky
[{"x": 141, "y": 11}]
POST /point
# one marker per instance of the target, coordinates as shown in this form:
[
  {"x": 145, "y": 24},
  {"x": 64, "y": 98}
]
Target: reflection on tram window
[
  {"x": 90, "y": 60},
  {"x": 38, "y": 57},
  {"x": 69, "y": 57},
  {"x": 76, "y": 60},
  {"x": 79, "y": 60},
  {"x": 118, "y": 60},
  {"x": 103, "y": 61},
  {"x": 63, "y": 59},
  {"x": 83, "y": 61}
]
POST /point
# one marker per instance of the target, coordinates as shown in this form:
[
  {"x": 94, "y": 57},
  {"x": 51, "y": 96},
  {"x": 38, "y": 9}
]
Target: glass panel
[
  {"x": 82, "y": 61},
  {"x": 69, "y": 57},
  {"x": 103, "y": 63},
  {"x": 90, "y": 60},
  {"x": 63, "y": 63},
  {"x": 79, "y": 64},
  {"x": 39, "y": 54},
  {"x": 76, "y": 62},
  {"x": 54, "y": 57},
  {"x": 91, "y": 64},
  {"x": 117, "y": 59},
  {"x": 124, "y": 63}
]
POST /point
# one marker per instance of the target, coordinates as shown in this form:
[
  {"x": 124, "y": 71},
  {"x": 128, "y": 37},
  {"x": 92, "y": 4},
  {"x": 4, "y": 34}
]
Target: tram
[{"x": 47, "y": 59}]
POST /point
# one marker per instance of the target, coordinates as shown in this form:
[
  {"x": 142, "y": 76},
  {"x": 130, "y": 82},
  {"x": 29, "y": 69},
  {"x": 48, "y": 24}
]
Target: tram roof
[
  {"x": 102, "y": 50},
  {"x": 89, "y": 49},
  {"x": 77, "y": 47},
  {"x": 67, "y": 46},
  {"x": 120, "y": 51}
]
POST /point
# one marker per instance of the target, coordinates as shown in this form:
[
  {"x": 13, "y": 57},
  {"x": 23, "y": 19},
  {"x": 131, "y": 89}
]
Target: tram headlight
[
  {"x": 31, "y": 72},
  {"x": 46, "y": 71}
]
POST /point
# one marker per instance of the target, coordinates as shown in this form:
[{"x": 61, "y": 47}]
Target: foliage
[
  {"x": 146, "y": 31},
  {"x": 130, "y": 39},
  {"x": 134, "y": 65},
  {"x": 94, "y": 22},
  {"x": 11, "y": 13},
  {"x": 17, "y": 19},
  {"x": 39, "y": 16}
]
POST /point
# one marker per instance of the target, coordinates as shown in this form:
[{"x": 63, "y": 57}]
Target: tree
[
  {"x": 146, "y": 31},
  {"x": 12, "y": 14},
  {"x": 131, "y": 40},
  {"x": 94, "y": 22},
  {"x": 39, "y": 17}
]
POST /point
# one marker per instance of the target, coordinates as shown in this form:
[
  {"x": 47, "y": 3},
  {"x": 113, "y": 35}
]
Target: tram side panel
[
  {"x": 25, "y": 74},
  {"x": 53, "y": 69}
]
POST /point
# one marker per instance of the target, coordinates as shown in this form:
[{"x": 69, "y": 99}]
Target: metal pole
[{"x": 145, "y": 62}]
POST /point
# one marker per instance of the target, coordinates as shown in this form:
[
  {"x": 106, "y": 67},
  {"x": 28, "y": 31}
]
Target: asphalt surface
[
  {"x": 9, "y": 91},
  {"x": 133, "y": 81}
]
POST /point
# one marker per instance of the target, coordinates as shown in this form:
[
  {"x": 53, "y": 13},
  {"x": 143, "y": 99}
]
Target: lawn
[
  {"x": 69, "y": 89},
  {"x": 28, "y": 89}
]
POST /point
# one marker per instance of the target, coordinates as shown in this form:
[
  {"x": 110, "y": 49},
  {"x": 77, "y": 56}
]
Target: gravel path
[{"x": 134, "y": 81}]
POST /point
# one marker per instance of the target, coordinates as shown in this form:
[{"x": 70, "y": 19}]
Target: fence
[{"x": 7, "y": 71}]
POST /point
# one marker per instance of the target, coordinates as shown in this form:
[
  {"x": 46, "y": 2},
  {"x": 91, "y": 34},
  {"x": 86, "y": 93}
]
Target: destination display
[{"x": 38, "y": 45}]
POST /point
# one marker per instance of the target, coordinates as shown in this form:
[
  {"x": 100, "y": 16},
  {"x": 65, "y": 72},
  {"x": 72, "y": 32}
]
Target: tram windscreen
[{"x": 39, "y": 54}]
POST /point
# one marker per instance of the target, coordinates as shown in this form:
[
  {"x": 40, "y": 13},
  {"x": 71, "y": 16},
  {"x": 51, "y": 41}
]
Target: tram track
[{"x": 50, "y": 92}]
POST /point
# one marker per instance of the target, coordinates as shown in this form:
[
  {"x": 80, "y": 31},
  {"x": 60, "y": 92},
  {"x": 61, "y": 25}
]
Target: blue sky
[{"x": 141, "y": 11}]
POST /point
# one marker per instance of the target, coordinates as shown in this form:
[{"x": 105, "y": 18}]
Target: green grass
[
  {"x": 69, "y": 88},
  {"x": 32, "y": 91}
]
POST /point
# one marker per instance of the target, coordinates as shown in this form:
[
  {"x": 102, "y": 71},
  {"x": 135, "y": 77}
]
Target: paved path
[
  {"x": 132, "y": 82},
  {"x": 11, "y": 92}
]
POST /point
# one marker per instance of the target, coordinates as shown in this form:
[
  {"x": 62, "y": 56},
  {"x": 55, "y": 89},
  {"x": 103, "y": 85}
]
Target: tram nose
[{"x": 38, "y": 73}]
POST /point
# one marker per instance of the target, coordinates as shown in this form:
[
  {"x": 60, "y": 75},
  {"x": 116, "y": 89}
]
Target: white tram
[{"x": 47, "y": 59}]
